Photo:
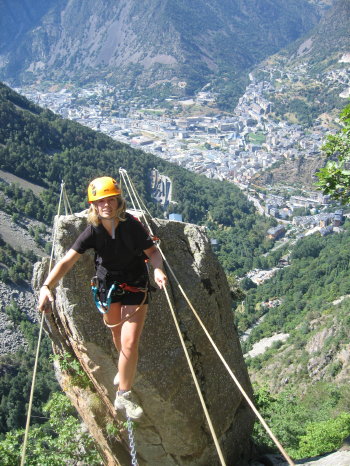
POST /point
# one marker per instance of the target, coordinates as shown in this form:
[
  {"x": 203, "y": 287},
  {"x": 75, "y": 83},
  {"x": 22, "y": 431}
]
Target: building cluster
[
  {"x": 324, "y": 223},
  {"x": 271, "y": 303},
  {"x": 283, "y": 208},
  {"x": 219, "y": 146},
  {"x": 232, "y": 147},
  {"x": 260, "y": 276},
  {"x": 276, "y": 232}
]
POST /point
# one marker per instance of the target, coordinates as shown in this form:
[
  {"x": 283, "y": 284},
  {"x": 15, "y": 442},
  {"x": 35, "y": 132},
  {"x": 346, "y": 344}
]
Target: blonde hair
[{"x": 94, "y": 219}]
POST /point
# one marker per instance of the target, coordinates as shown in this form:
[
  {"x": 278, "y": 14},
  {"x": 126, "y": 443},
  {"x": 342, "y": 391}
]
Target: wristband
[{"x": 46, "y": 286}]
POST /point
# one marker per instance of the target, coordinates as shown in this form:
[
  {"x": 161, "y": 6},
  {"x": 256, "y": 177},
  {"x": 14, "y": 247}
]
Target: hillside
[
  {"x": 135, "y": 43},
  {"x": 302, "y": 313},
  {"x": 300, "y": 173},
  {"x": 312, "y": 294},
  {"x": 309, "y": 85},
  {"x": 45, "y": 149},
  {"x": 311, "y": 75}
]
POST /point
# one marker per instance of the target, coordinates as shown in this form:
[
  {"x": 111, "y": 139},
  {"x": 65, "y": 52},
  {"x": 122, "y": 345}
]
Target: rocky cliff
[{"x": 173, "y": 430}]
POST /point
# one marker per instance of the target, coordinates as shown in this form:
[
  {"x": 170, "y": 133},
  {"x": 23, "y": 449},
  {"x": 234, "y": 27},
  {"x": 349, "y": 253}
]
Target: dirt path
[
  {"x": 17, "y": 236},
  {"x": 10, "y": 178},
  {"x": 261, "y": 346}
]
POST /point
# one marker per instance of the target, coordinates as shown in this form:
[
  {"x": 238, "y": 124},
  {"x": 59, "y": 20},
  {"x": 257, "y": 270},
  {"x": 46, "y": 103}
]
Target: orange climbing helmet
[{"x": 105, "y": 186}]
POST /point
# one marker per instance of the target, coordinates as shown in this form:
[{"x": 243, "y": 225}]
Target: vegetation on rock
[{"x": 334, "y": 178}]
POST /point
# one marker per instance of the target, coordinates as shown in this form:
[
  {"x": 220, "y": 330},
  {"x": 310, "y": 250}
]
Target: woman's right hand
[{"x": 45, "y": 299}]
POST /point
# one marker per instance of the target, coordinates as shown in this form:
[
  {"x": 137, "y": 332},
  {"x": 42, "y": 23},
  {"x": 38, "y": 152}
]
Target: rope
[
  {"x": 129, "y": 186},
  {"x": 122, "y": 172},
  {"x": 127, "y": 317},
  {"x": 67, "y": 206},
  {"x": 251, "y": 404},
  {"x": 26, "y": 433},
  {"x": 195, "y": 380},
  {"x": 32, "y": 391},
  {"x": 132, "y": 189}
]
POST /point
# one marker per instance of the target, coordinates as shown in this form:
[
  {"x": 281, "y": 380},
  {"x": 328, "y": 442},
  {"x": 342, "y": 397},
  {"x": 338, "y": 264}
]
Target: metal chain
[{"x": 132, "y": 445}]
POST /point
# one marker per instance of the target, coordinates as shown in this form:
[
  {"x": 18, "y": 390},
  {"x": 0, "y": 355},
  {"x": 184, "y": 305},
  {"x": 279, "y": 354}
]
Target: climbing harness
[
  {"x": 132, "y": 445},
  {"x": 64, "y": 198},
  {"x": 117, "y": 288}
]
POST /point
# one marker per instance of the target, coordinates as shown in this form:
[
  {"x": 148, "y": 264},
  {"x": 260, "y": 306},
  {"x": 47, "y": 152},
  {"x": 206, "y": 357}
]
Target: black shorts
[{"x": 129, "y": 298}]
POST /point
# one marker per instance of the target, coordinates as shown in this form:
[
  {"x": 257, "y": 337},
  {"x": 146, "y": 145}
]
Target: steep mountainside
[
  {"x": 298, "y": 173},
  {"x": 311, "y": 77},
  {"x": 328, "y": 40},
  {"x": 309, "y": 86},
  {"x": 140, "y": 43}
]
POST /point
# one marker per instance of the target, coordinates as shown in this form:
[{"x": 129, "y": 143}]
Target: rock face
[
  {"x": 11, "y": 337},
  {"x": 173, "y": 430}
]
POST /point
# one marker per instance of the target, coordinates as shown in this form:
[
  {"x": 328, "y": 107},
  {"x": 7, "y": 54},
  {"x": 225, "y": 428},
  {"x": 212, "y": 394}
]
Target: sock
[{"x": 121, "y": 392}]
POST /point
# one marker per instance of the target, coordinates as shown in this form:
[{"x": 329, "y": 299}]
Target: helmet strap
[
  {"x": 113, "y": 228},
  {"x": 113, "y": 224}
]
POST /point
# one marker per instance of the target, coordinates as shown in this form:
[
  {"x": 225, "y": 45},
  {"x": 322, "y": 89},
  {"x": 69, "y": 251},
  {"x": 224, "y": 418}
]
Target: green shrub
[{"x": 323, "y": 437}]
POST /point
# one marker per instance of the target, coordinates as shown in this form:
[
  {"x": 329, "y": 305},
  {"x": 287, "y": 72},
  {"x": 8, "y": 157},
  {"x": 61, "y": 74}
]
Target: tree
[
  {"x": 60, "y": 441},
  {"x": 334, "y": 178},
  {"x": 246, "y": 284}
]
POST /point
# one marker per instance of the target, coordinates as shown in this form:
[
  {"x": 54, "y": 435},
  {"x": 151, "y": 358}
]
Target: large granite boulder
[{"x": 173, "y": 430}]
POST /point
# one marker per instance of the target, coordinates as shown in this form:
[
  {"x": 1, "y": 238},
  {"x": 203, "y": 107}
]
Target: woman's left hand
[{"x": 159, "y": 277}]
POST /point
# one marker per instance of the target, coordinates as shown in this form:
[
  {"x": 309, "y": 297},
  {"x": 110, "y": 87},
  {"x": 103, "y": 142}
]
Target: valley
[
  {"x": 193, "y": 133},
  {"x": 221, "y": 123},
  {"x": 265, "y": 140}
]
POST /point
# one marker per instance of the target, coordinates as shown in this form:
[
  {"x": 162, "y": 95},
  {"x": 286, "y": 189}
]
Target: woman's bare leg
[
  {"x": 130, "y": 337},
  {"x": 126, "y": 338},
  {"x": 114, "y": 317}
]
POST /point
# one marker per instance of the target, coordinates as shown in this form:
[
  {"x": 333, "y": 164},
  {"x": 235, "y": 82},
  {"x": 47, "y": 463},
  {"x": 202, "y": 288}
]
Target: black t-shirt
[{"x": 121, "y": 254}]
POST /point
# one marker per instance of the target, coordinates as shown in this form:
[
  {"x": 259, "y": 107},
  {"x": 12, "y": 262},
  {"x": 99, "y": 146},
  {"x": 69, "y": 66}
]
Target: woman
[{"x": 120, "y": 243}]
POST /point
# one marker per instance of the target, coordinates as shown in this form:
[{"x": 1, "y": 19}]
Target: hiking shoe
[
  {"x": 124, "y": 402},
  {"x": 116, "y": 379}
]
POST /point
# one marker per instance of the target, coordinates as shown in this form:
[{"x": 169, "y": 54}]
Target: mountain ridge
[{"x": 138, "y": 44}]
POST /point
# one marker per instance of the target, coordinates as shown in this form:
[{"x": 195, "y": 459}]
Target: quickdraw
[{"x": 102, "y": 306}]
